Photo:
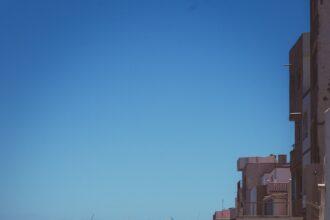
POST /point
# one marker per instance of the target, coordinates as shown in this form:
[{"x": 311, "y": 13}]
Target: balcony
[{"x": 277, "y": 188}]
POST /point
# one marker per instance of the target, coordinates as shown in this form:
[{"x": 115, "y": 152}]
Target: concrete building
[
  {"x": 327, "y": 166},
  {"x": 276, "y": 198},
  {"x": 222, "y": 215},
  {"x": 320, "y": 93},
  {"x": 268, "y": 218},
  {"x": 300, "y": 114},
  {"x": 264, "y": 187},
  {"x": 309, "y": 98},
  {"x": 306, "y": 168},
  {"x": 320, "y": 73},
  {"x": 227, "y": 214}
]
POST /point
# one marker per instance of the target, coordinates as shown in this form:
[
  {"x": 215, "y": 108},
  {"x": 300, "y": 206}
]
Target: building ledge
[{"x": 268, "y": 218}]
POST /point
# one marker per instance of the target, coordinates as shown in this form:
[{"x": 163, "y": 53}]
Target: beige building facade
[{"x": 264, "y": 189}]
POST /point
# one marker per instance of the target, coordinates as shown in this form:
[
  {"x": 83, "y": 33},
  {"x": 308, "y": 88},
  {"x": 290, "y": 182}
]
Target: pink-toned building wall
[
  {"x": 222, "y": 215},
  {"x": 249, "y": 200},
  {"x": 278, "y": 175},
  {"x": 278, "y": 183}
]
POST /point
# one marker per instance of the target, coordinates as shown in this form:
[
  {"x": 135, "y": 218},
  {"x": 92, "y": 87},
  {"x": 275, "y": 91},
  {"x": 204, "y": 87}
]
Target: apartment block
[
  {"x": 300, "y": 114},
  {"x": 309, "y": 99},
  {"x": 264, "y": 187},
  {"x": 306, "y": 169}
]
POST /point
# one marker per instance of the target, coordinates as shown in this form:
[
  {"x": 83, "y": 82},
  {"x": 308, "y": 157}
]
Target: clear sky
[{"x": 138, "y": 110}]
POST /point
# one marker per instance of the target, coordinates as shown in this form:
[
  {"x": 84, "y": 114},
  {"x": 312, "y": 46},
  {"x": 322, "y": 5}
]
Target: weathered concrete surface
[
  {"x": 327, "y": 163},
  {"x": 268, "y": 218}
]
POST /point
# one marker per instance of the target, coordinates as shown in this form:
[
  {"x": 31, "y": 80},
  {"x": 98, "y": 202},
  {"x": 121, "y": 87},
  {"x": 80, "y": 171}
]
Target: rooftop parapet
[{"x": 243, "y": 161}]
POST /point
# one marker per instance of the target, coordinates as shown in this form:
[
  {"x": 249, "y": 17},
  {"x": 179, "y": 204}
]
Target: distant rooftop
[{"x": 243, "y": 161}]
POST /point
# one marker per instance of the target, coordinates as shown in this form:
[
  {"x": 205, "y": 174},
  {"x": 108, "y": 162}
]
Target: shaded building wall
[
  {"x": 327, "y": 166},
  {"x": 313, "y": 176},
  {"x": 300, "y": 115},
  {"x": 232, "y": 213},
  {"x": 261, "y": 193},
  {"x": 320, "y": 73},
  {"x": 278, "y": 204},
  {"x": 239, "y": 200},
  {"x": 306, "y": 103},
  {"x": 320, "y": 92}
]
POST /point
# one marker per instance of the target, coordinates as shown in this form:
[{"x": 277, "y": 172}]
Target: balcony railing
[{"x": 277, "y": 188}]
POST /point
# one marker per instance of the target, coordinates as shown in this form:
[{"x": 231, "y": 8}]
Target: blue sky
[{"x": 138, "y": 110}]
